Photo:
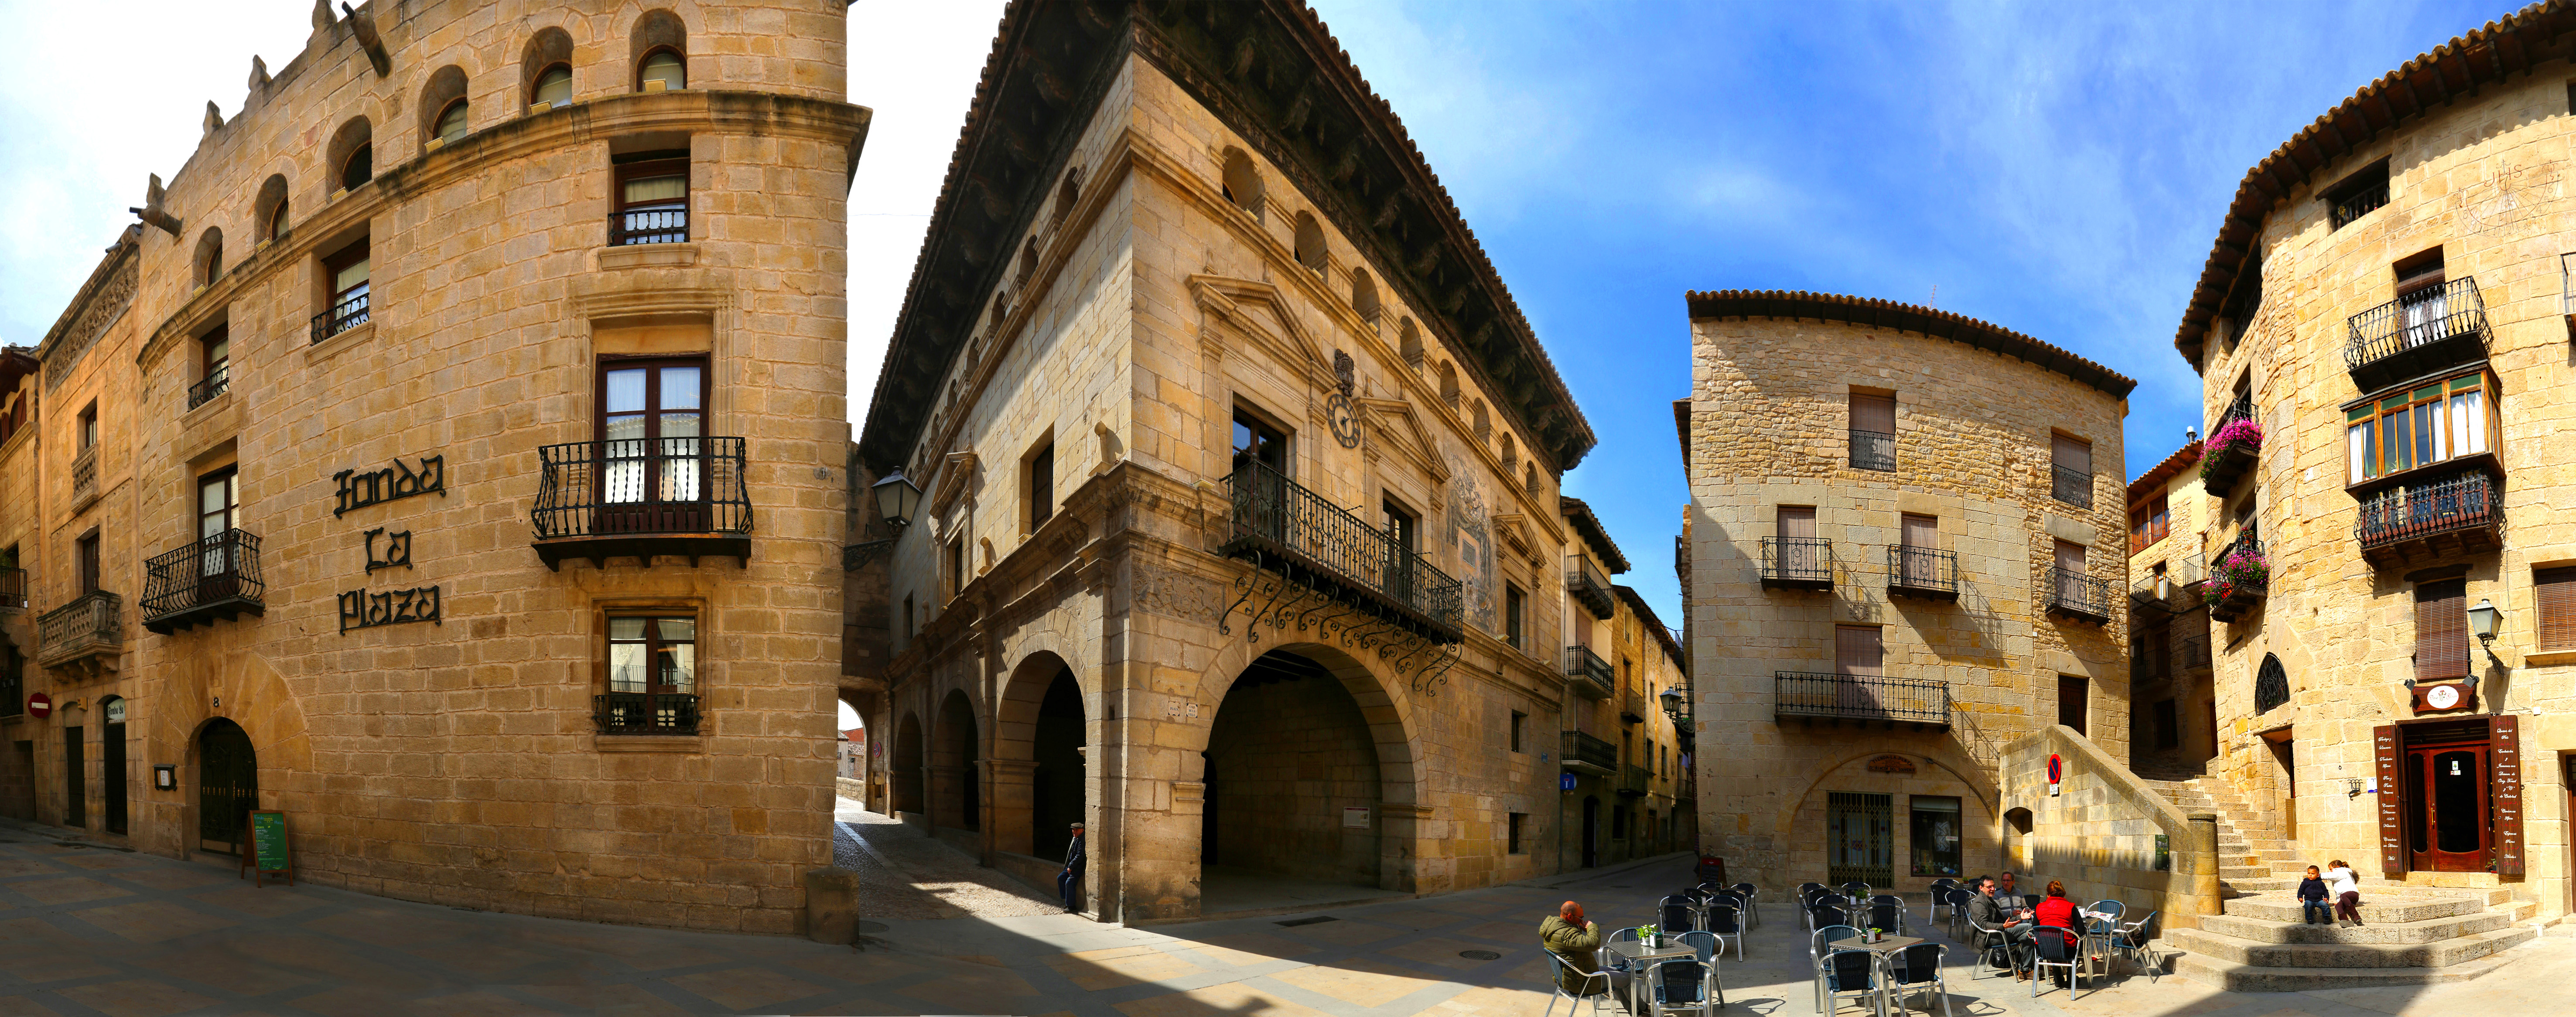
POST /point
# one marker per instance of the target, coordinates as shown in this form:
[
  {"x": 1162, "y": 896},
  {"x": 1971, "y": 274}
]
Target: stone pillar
[
  {"x": 1011, "y": 799},
  {"x": 832, "y": 905},
  {"x": 2197, "y": 868}
]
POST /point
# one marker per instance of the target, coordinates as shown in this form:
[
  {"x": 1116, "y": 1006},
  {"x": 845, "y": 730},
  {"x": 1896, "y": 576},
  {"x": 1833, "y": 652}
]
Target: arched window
[
  {"x": 554, "y": 87},
  {"x": 210, "y": 257},
  {"x": 545, "y": 69},
  {"x": 1241, "y": 184},
  {"x": 451, "y": 123},
  {"x": 1409, "y": 342},
  {"x": 1529, "y": 479},
  {"x": 658, "y": 50},
  {"x": 1449, "y": 384},
  {"x": 1028, "y": 264},
  {"x": 359, "y": 168},
  {"x": 1065, "y": 196},
  {"x": 1310, "y": 242},
  {"x": 1484, "y": 424},
  {"x": 1511, "y": 454},
  {"x": 663, "y": 71},
  {"x": 352, "y": 155},
  {"x": 2271, "y": 685},
  {"x": 1364, "y": 297},
  {"x": 277, "y": 222},
  {"x": 442, "y": 104},
  {"x": 269, "y": 220}
]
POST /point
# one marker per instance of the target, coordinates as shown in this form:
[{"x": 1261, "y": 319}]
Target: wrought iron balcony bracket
[{"x": 857, "y": 556}]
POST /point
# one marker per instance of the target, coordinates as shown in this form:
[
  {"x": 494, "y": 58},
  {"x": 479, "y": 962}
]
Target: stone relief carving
[
  {"x": 1178, "y": 595},
  {"x": 1473, "y": 534},
  {"x": 104, "y": 307}
]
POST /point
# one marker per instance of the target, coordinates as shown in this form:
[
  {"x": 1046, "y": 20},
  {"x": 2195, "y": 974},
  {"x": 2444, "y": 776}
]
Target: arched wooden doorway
[{"x": 227, "y": 785}]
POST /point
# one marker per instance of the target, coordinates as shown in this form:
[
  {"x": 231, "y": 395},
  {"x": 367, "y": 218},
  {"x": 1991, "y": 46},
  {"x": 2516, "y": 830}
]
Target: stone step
[
  {"x": 2233, "y": 872},
  {"x": 2259, "y": 930},
  {"x": 2438, "y": 954},
  {"x": 2391, "y": 910},
  {"x": 2287, "y": 886},
  {"x": 2235, "y": 977}
]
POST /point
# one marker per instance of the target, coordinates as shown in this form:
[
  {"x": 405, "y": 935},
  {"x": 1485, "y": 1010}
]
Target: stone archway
[
  {"x": 956, "y": 790},
  {"x": 1039, "y": 763},
  {"x": 908, "y": 766},
  {"x": 1308, "y": 777}
]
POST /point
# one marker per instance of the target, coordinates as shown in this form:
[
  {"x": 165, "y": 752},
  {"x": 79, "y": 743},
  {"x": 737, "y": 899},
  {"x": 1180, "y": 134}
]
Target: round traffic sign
[
  {"x": 39, "y": 705},
  {"x": 2056, "y": 768}
]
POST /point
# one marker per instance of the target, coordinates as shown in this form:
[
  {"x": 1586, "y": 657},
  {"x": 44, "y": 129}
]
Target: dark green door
[
  {"x": 75, "y": 782},
  {"x": 227, "y": 785},
  {"x": 111, "y": 764}
]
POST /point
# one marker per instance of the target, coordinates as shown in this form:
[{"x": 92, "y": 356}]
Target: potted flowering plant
[
  {"x": 2243, "y": 568},
  {"x": 1647, "y": 933},
  {"x": 2240, "y": 434}
]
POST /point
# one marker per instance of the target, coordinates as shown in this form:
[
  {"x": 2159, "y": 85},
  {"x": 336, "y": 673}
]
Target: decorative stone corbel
[
  {"x": 364, "y": 27},
  {"x": 153, "y": 212}
]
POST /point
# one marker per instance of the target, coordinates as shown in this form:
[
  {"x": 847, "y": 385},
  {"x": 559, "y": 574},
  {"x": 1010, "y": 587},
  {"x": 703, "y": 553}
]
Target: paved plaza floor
[{"x": 86, "y": 929}]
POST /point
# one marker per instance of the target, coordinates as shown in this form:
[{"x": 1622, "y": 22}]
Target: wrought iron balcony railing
[
  {"x": 2070, "y": 485},
  {"x": 1922, "y": 572},
  {"x": 2454, "y": 514},
  {"x": 1586, "y": 582},
  {"x": 2359, "y": 202},
  {"x": 216, "y": 578},
  {"x": 2075, "y": 595},
  {"x": 1797, "y": 563},
  {"x": 2239, "y": 578},
  {"x": 2424, "y": 331},
  {"x": 1873, "y": 450},
  {"x": 13, "y": 589},
  {"x": 2172, "y": 588},
  {"x": 648, "y": 226},
  {"x": 13, "y": 690},
  {"x": 85, "y": 474},
  {"x": 341, "y": 317},
  {"x": 642, "y": 497},
  {"x": 1635, "y": 781},
  {"x": 2223, "y": 463},
  {"x": 1280, "y": 525},
  {"x": 1589, "y": 674},
  {"x": 645, "y": 713},
  {"x": 1585, "y": 752},
  {"x": 2192, "y": 653},
  {"x": 82, "y": 632},
  {"x": 1632, "y": 706},
  {"x": 215, "y": 383},
  {"x": 1839, "y": 697},
  {"x": 2241, "y": 409}
]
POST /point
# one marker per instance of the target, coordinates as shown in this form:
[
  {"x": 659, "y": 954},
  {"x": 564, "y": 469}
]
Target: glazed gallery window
[
  {"x": 663, "y": 71},
  {"x": 1935, "y": 826},
  {"x": 360, "y": 168},
  {"x": 451, "y": 123},
  {"x": 2425, "y": 426},
  {"x": 652, "y": 199},
  {"x": 652, "y": 416},
  {"x": 2148, "y": 524}
]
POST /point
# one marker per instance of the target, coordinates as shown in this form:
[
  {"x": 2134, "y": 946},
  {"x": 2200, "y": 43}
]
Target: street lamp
[
  {"x": 1672, "y": 704},
  {"x": 2482, "y": 621},
  {"x": 896, "y": 498}
]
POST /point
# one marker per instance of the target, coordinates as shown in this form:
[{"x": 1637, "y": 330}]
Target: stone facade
[
  {"x": 1979, "y": 642},
  {"x": 2317, "y": 312},
  {"x": 1634, "y": 794},
  {"x": 467, "y": 758},
  {"x": 2173, "y": 725},
  {"x": 1086, "y": 624}
]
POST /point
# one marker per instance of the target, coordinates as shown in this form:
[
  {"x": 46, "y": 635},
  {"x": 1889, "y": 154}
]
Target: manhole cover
[
  {"x": 1310, "y": 921},
  {"x": 1480, "y": 955},
  {"x": 866, "y": 926}
]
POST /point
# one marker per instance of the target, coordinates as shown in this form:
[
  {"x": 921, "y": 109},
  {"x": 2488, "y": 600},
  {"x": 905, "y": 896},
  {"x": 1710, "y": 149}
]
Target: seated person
[
  {"x": 1988, "y": 912},
  {"x": 2313, "y": 909},
  {"x": 1576, "y": 942},
  {"x": 2056, "y": 912}
]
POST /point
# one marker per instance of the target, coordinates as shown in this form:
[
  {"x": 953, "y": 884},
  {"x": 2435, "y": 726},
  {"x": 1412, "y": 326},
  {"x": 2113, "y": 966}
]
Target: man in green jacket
[{"x": 1575, "y": 942}]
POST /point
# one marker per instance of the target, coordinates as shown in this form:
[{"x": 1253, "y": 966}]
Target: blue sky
[{"x": 2058, "y": 169}]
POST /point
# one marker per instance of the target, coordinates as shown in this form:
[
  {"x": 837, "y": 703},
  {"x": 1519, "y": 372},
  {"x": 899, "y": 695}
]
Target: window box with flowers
[
  {"x": 2230, "y": 454},
  {"x": 2240, "y": 579}
]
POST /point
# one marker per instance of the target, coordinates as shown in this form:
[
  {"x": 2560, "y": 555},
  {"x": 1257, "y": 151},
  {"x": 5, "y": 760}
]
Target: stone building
[
  {"x": 2173, "y": 723},
  {"x": 1239, "y": 527},
  {"x": 563, "y": 365},
  {"x": 2382, "y": 332},
  {"x": 1903, "y": 558},
  {"x": 1631, "y": 789}
]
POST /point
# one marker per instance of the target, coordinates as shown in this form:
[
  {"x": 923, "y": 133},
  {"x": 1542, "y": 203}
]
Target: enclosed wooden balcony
[
  {"x": 642, "y": 498},
  {"x": 207, "y": 581}
]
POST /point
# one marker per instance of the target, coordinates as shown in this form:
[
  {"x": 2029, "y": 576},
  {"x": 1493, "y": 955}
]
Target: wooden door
[
  {"x": 2448, "y": 825},
  {"x": 218, "y": 504},
  {"x": 1796, "y": 525},
  {"x": 2070, "y": 570},
  {"x": 1860, "y": 651},
  {"x": 652, "y": 459},
  {"x": 1921, "y": 535}
]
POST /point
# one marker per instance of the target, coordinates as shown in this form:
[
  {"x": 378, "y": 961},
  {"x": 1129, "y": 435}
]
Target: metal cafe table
[
  {"x": 1641, "y": 993},
  {"x": 1886, "y": 947}
]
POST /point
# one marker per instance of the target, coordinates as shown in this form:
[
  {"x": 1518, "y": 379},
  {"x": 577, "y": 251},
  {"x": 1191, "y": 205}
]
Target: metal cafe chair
[
  {"x": 1816, "y": 951},
  {"x": 1594, "y": 986},
  {"x": 1989, "y": 940},
  {"x": 1887, "y": 913},
  {"x": 1916, "y": 966},
  {"x": 1705, "y": 944},
  {"x": 1726, "y": 922},
  {"x": 1752, "y": 901},
  {"x": 1851, "y": 973},
  {"x": 1682, "y": 985},
  {"x": 2049, "y": 949},
  {"x": 1676, "y": 915},
  {"x": 2135, "y": 939},
  {"x": 1613, "y": 963},
  {"x": 1940, "y": 898}
]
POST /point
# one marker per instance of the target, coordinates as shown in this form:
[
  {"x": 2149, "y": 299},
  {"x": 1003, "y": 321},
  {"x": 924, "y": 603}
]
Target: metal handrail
[
  {"x": 641, "y": 486},
  {"x": 2075, "y": 591},
  {"x": 341, "y": 317},
  {"x": 1873, "y": 450},
  {"x": 13, "y": 589},
  {"x": 93, "y": 617},
  {"x": 1578, "y": 747},
  {"x": 1586, "y": 582},
  {"x": 1581, "y": 662},
  {"x": 2427, "y": 319},
  {"x": 1860, "y": 697},
  {"x": 648, "y": 226},
  {"x": 215, "y": 569},
  {"x": 2462, "y": 501},
  {"x": 1922, "y": 568},
  {"x": 1805, "y": 559},
  {"x": 645, "y": 713},
  {"x": 1276, "y": 516},
  {"x": 215, "y": 383},
  {"x": 2071, "y": 485}
]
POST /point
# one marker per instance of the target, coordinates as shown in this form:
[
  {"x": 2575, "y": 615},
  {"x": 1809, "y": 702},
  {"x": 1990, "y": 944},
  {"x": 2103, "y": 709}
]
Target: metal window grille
[
  {"x": 646, "y": 713},
  {"x": 648, "y": 226},
  {"x": 1873, "y": 450},
  {"x": 2072, "y": 486},
  {"x": 1809, "y": 559},
  {"x": 1860, "y": 838},
  {"x": 2071, "y": 590},
  {"x": 2359, "y": 202},
  {"x": 341, "y": 317},
  {"x": 215, "y": 383}
]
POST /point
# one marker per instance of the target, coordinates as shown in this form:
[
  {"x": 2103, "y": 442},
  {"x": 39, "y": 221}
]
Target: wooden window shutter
[
  {"x": 1858, "y": 651},
  {"x": 1873, "y": 413},
  {"x": 1797, "y": 521},
  {"x": 2073, "y": 453},
  {"x": 2441, "y": 630},
  {"x": 2070, "y": 556},
  {"x": 2392, "y": 807},
  {"x": 2504, "y": 793},
  {"x": 1924, "y": 532},
  {"x": 2554, "y": 595}
]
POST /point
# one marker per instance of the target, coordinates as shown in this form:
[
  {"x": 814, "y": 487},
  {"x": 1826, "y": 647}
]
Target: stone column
[
  {"x": 1013, "y": 795},
  {"x": 2198, "y": 867}
]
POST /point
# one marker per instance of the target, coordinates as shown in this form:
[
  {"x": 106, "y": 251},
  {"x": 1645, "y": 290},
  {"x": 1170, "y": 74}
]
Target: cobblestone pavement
[
  {"x": 907, "y": 875},
  {"x": 87, "y": 930}
]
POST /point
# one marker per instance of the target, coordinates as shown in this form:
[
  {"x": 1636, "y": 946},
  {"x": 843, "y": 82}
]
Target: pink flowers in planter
[
  {"x": 2241, "y": 568},
  {"x": 2241, "y": 433}
]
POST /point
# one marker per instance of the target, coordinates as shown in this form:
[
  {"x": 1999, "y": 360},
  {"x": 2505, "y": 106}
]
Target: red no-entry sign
[
  {"x": 39, "y": 705},
  {"x": 2056, "y": 769}
]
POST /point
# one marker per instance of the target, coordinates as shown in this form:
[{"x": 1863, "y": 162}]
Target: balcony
[
  {"x": 215, "y": 383},
  {"x": 1278, "y": 524},
  {"x": 1873, "y": 450},
  {"x": 1590, "y": 676},
  {"x": 85, "y": 476},
  {"x": 2239, "y": 581},
  {"x": 84, "y": 636},
  {"x": 2416, "y": 334},
  {"x": 341, "y": 317},
  {"x": 2170, "y": 589},
  {"x": 1585, "y": 581},
  {"x": 1922, "y": 572},
  {"x": 648, "y": 226},
  {"x": 2078, "y": 597},
  {"x": 2438, "y": 519},
  {"x": 13, "y": 590},
  {"x": 639, "y": 498},
  {"x": 2070, "y": 485},
  {"x": 1583, "y": 753},
  {"x": 210, "y": 580},
  {"x": 1635, "y": 781},
  {"x": 1632, "y": 706},
  {"x": 645, "y": 713},
  {"x": 1834, "y": 698},
  {"x": 2230, "y": 455},
  {"x": 2192, "y": 654},
  {"x": 1797, "y": 563}
]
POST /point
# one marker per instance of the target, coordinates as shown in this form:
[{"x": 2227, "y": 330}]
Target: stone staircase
[{"x": 2410, "y": 935}]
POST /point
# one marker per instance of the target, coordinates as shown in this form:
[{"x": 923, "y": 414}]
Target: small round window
[
  {"x": 554, "y": 87},
  {"x": 451, "y": 122},
  {"x": 666, "y": 67}
]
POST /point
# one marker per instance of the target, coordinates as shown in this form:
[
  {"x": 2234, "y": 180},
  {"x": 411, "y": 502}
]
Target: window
[
  {"x": 2168, "y": 725},
  {"x": 1619, "y": 824},
  {"x": 1484, "y": 423},
  {"x": 2148, "y": 524},
  {"x": 652, "y": 676},
  {"x": 348, "y": 273},
  {"x": 2424, "y": 426},
  {"x": 2358, "y": 195},
  {"x": 2071, "y": 470},
  {"x": 1919, "y": 560},
  {"x": 1873, "y": 431},
  {"x": 554, "y": 87},
  {"x": 651, "y": 417},
  {"x": 215, "y": 351},
  {"x": 1041, "y": 491},
  {"x": 1859, "y": 651},
  {"x": 1515, "y": 604},
  {"x": 907, "y": 617},
  {"x": 1513, "y": 824},
  {"x": 1408, "y": 341},
  {"x": 1364, "y": 298},
  {"x": 218, "y": 503},
  {"x": 358, "y": 168},
  {"x": 87, "y": 550},
  {"x": 652, "y": 199},
  {"x": 210, "y": 257},
  {"x": 451, "y": 123},
  {"x": 89, "y": 426},
  {"x": 1240, "y": 183},
  {"x": 957, "y": 566},
  {"x": 1935, "y": 824},
  {"x": 1449, "y": 384},
  {"x": 1256, "y": 441},
  {"x": 663, "y": 70},
  {"x": 1519, "y": 722},
  {"x": 2554, "y": 604},
  {"x": 277, "y": 220},
  {"x": 2441, "y": 630},
  {"x": 1310, "y": 243},
  {"x": 2070, "y": 701},
  {"x": 1401, "y": 525}
]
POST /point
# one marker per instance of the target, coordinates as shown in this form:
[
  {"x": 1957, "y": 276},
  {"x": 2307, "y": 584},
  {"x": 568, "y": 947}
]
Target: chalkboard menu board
[{"x": 268, "y": 854}]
